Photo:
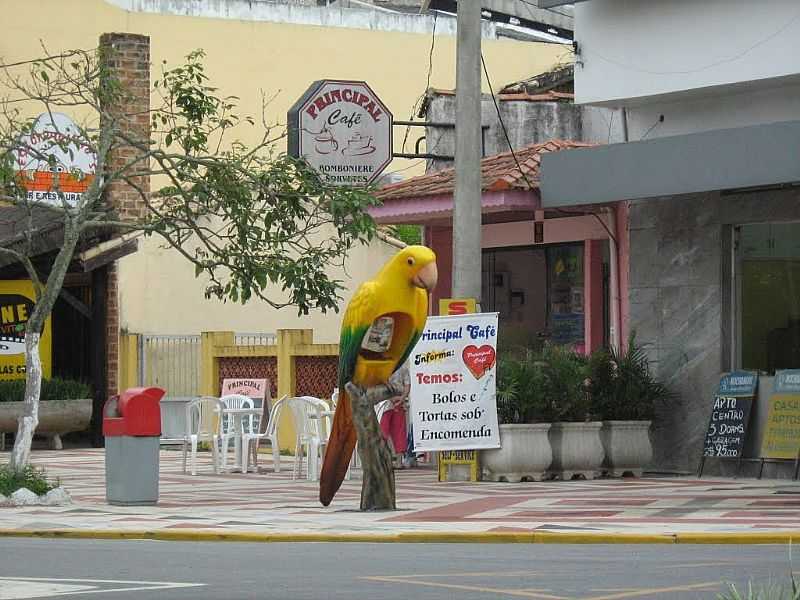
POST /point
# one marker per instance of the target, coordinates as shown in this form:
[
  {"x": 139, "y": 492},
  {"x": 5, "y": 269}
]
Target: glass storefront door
[{"x": 767, "y": 267}]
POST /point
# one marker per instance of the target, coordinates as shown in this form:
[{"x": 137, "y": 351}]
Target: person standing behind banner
[{"x": 394, "y": 420}]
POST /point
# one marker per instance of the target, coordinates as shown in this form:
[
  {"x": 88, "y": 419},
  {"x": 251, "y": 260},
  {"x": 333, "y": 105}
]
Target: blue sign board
[
  {"x": 787, "y": 382},
  {"x": 738, "y": 383}
]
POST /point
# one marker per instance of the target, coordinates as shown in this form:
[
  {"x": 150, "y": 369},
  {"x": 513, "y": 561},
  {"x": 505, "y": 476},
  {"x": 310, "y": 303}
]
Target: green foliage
[
  {"x": 410, "y": 234},
  {"x": 278, "y": 225},
  {"x": 622, "y": 386},
  {"x": 52, "y": 389},
  {"x": 29, "y": 477},
  {"x": 768, "y": 591},
  {"x": 542, "y": 386}
]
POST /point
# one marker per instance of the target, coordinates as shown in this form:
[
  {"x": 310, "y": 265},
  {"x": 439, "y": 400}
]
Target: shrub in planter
[
  {"x": 625, "y": 394},
  {"x": 65, "y": 406},
  {"x": 52, "y": 389},
  {"x": 524, "y": 412},
  {"x": 575, "y": 436}
]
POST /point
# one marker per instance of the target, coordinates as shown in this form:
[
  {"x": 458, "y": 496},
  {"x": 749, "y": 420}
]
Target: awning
[{"x": 724, "y": 159}]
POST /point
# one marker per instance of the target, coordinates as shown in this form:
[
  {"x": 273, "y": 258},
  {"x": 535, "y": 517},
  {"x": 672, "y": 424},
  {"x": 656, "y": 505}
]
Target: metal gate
[{"x": 171, "y": 362}]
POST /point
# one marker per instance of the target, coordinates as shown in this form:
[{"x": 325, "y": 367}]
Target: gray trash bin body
[
  {"x": 132, "y": 428},
  {"x": 132, "y": 470}
]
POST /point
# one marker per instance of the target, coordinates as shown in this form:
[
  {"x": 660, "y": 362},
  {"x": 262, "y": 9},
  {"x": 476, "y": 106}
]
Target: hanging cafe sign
[{"x": 343, "y": 130}]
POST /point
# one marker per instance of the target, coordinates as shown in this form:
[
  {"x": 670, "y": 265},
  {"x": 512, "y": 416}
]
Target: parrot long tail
[{"x": 341, "y": 443}]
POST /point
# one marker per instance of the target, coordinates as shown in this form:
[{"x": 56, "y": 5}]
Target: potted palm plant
[
  {"x": 625, "y": 392},
  {"x": 575, "y": 436},
  {"x": 525, "y": 414}
]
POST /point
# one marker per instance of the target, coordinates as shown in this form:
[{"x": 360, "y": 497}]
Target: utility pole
[{"x": 467, "y": 199}]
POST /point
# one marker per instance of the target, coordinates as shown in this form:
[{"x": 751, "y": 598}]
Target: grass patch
[
  {"x": 30, "y": 477},
  {"x": 768, "y": 591}
]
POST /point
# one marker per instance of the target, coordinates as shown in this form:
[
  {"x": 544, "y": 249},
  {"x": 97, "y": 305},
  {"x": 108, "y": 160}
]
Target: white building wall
[
  {"x": 631, "y": 51},
  {"x": 719, "y": 111}
]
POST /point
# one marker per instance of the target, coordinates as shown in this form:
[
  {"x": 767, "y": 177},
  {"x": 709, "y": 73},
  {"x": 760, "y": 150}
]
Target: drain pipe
[{"x": 614, "y": 301}]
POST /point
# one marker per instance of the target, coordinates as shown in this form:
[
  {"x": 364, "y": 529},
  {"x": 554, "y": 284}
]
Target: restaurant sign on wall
[
  {"x": 55, "y": 162},
  {"x": 343, "y": 130}
]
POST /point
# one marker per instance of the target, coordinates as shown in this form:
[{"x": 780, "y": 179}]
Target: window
[
  {"x": 538, "y": 291},
  {"x": 767, "y": 263}
]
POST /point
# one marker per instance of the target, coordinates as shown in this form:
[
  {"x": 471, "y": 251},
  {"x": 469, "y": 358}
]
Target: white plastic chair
[
  {"x": 311, "y": 439},
  {"x": 267, "y": 430},
  {"x": 233, "y": 428},
  {"x": 334, "y": 398},
  {"x": 203, "y": 424}
]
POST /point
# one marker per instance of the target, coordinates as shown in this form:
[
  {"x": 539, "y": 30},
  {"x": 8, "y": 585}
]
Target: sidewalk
[{"x": 268, "y": 503}]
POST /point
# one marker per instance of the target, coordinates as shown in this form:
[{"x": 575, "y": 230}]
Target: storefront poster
[
  {"x": 16, "y": 306},
  {"x": 782, "y": 432},
  {"x": 453, "y": 378}
]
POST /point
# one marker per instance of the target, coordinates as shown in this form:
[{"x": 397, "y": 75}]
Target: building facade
[
  {"x": 709, "y": 93},
  {"x": 256, "y": 51}
]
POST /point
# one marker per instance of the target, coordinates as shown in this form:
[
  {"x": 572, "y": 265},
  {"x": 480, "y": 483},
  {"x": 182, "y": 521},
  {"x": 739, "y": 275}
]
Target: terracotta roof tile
[{"x": 499, "y": 172}]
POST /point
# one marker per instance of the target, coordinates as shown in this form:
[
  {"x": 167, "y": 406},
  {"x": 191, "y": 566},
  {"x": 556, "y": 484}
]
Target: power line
[
  {"x": 516, "y": 160},
  {"x": 427, "y": 82},
  {"x": 717, "y": 63}
]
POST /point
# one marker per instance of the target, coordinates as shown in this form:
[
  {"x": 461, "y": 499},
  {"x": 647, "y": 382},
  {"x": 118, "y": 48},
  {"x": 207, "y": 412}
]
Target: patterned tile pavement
[{"x": 274, "y": 503}]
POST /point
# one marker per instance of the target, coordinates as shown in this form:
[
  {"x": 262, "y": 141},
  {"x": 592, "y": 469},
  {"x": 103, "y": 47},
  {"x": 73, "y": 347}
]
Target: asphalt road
[{"x": 32, "y": 568}]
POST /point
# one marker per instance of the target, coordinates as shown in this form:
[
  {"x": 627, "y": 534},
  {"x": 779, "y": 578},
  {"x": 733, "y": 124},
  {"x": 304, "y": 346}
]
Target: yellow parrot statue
[{"x": 381, "y": 325}]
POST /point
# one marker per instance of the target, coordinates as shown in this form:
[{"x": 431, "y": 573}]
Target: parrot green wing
[
  {"x": 420, "y": 316},
  {"x": 357, "y": 319}
]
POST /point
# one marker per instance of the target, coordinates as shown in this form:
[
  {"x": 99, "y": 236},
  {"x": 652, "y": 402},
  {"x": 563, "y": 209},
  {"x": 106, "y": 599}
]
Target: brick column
[{"x": 127, "y": 56}]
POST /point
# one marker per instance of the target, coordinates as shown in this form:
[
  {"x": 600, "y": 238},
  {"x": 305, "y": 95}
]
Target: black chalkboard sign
[
  {"x": 730, "y": 416},
  {"x": 727, "y": 426}
]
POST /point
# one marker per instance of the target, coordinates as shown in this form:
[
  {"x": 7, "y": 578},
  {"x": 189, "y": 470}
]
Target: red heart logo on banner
[{"x": 478, "y": 360}]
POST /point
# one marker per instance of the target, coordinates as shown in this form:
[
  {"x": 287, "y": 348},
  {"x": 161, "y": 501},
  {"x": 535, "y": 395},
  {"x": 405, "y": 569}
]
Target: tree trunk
[
  {"x": 377, "y": 485},
  {"x": 45, "y": 300},
  {"x": 29, "y": 419}
]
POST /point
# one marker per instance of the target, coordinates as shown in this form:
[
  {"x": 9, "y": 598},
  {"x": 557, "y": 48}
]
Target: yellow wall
[{"x": 158, "y": 291}]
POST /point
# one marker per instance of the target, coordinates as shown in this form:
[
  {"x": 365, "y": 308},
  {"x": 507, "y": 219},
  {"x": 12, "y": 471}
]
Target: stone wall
[
  {"x": 525, "y": 121},
  {"x": 680, "y": 302}
]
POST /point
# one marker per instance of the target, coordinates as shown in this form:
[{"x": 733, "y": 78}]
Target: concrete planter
[
  {"x": 577, "y": 449},
  {"x": 627, "y": 447},
  {"x": 525, "y": 452},
  {"x": 56, "y": 417}
]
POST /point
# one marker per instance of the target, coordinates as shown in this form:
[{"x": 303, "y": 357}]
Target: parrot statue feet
[{"x": 377, "y": 489}]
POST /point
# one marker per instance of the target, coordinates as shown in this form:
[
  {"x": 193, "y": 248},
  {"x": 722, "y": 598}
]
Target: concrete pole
[{"x": 467, "y": 208}]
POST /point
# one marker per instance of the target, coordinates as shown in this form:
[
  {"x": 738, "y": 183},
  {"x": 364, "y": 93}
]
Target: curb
[{"x": 421, "y": 537}]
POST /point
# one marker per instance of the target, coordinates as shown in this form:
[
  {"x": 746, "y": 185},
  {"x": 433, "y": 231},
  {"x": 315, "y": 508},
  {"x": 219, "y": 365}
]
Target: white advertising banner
[{"x": 453, "y": 375}]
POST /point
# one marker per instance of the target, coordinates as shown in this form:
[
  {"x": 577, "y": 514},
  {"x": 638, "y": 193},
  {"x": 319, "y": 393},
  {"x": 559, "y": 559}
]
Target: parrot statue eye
[{"x": 411, "y": 261}]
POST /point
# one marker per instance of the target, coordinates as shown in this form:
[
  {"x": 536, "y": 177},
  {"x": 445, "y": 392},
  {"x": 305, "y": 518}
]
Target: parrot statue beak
[{"x": 426, "y": 277}]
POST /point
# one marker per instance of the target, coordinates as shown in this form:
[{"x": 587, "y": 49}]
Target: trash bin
[{"x": 132, "y": 428}]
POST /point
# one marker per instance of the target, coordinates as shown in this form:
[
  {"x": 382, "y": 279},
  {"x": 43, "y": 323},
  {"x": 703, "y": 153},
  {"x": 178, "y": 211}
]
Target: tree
[{"x": 254, "y": 222}]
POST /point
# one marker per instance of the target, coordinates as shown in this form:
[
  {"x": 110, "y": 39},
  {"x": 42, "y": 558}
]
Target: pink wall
[
  {"x": 556, "y": 231},
  {"x": 520, "y": 233},
  {"x": 440, "y": 240}
]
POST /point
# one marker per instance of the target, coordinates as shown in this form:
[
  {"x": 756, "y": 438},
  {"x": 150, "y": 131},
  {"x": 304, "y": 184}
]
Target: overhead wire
[
  {"x": 516, "y": 160},
  {"x": 427, "y": 82},
  {"x": 711, "y": 65}
]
